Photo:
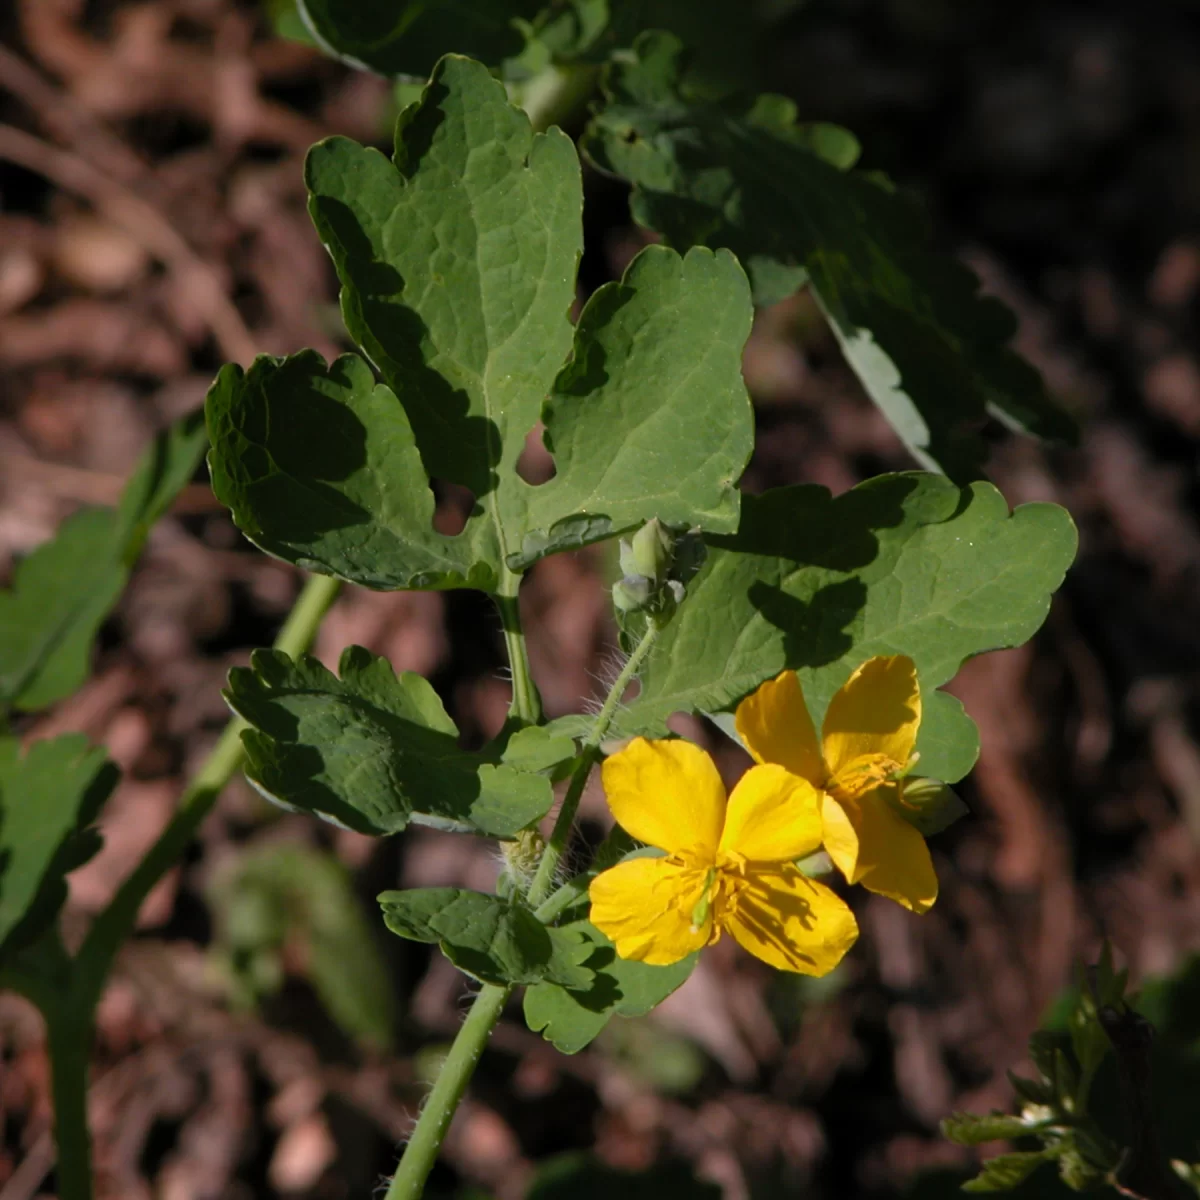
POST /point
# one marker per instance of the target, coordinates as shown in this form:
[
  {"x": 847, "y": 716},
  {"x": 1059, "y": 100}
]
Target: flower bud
[
  {"x": 929, "y": 805},
  {"x": 650, "y": 551},
  {"x": 523, "y": 853},
  {"x": 632, "y": 594}
]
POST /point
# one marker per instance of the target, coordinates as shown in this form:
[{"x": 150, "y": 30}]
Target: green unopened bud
[
  {"x": 625, "y": 557},
  {"x": 815, "y": 865},
  {"x": 632, "y": 594},
  {"x": 523, "y": 853},
  {"x": 650, "y": 551},
  {"x": 928, "y": 805}
]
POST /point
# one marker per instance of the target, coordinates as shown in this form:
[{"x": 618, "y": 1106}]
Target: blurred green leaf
[
  {"x": 1032, "y": 1091},
  {"x": 968, "y": 1129},
  {"x": 49, "y": 619},
  {"x": 1007, "y": 1171},
  {"x": 457, "y": 261},
  {"x": 929, "y": 349},
  {"x": 371, "y": 750},
  {"x": 903, "y": 564},
  {"x": 493, "y": 940},
  {"x": 407, "y": 37},
  {"x": 581, "y": 1177},
  {"x": 724, "y": 40},
  {"x": 280, "y": 896},
  {"x": 570, "y": 1019},
  {"x": 49, "y": 798},
  {"x": 163, "y": 471},
  {"x": 287, "y": 22},
  {"x": 64, "y": 589}
]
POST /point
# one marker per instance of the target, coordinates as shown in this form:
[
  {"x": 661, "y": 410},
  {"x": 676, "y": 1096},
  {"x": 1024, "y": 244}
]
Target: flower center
[{"x": 861, "y": 775}]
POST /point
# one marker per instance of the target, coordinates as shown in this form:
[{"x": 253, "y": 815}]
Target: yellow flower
[
  {"x": 727, "y": 865},
  {"x": 867, "y": 739}
]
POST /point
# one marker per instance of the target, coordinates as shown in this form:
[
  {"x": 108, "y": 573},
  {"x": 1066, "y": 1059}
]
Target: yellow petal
[
  {"x": 667, "y": 794},
  {"x": 775, "y": 726},
  {"x": 791, "y": 922},
  {"x": 839, "y": 837},
  {"x": 876, "y": 712},
  {"x": 773, "y": 816},
  {"x": 646, "y": 906},
  {"x": 889, "y": 856}
]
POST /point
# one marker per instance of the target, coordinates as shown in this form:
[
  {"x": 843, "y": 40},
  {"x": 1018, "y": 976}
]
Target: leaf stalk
[{"x": 543, "y": 880}]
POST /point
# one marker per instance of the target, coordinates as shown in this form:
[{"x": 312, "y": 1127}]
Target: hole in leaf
[
  {"x": 455, "y": 504},
  {"x": 535, "y": 465}
]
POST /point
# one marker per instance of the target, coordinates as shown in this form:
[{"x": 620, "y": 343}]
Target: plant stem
[
  {"x": 422, "y": 1149},
  {"x": 69, "y": 1040},
  {"x": 456, "y": 1070},
  {"x": 543, "y": 879},
  {"x": 526, "y": 703},
  {"x": 116, "y": 922}
]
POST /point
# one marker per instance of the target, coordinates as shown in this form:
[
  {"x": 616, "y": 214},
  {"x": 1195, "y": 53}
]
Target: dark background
[{"x": 152, "y": 226}]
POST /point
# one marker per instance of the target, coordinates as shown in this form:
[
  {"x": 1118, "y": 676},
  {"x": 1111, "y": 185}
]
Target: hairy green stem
[
  {"x": 543, "y": 880},
  {"x": 422, "y": 1149},
  {"x": 456, "y": 1070},
  {"x": 526, "y": 703}
]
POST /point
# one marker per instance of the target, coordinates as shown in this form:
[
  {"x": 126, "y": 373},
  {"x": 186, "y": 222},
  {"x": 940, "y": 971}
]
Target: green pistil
[{"x": 704, "y": 904}]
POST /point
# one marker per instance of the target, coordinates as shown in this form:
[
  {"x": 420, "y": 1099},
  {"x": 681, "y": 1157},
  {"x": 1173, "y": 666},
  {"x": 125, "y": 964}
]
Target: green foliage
[
  {"x": 373, "y": 750},
  {"x": 49, "y": 619},
  {"x": 571, "y": 1018},
  {"x": 457, "y": 263},
  {"x": 493, "y": 940},
  {"x": 406, "y": 37},
  {"x": 1007, "y": 1171},
  {"x": 62, "y": 592},
  {"x": 901, "y": 564},
  {"x": 930, "y": 351},
  {"x": 279, "y": 902},
  {"x": 581, "y": 1177},
  {"x": 970, "y": 1129},
  {"x": 1055, "y": 1107},
  {"x": 49, "y": 798}
]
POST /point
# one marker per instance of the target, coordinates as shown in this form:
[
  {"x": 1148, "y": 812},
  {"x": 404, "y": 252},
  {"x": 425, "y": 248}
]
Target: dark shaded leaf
[
  {"x": 371, "y": 750},
  {"x": 930, "y": 350}
]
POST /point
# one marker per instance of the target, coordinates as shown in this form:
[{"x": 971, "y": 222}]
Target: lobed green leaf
[
  {"x": 49, "y": 798},
  {"x": 457, "y": 260},
  {"x": 571, "y": 1018},
  {"x": 491, "y": 939},
  {"x": 903, "y": 564},
  {"x": 929, "y": 349},
  {"x": 372, "y": 750}
]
